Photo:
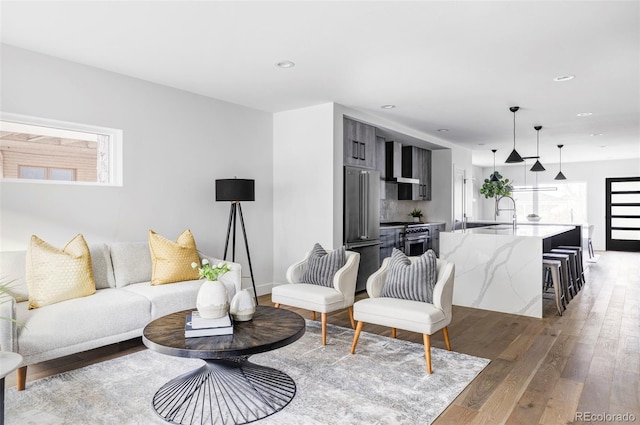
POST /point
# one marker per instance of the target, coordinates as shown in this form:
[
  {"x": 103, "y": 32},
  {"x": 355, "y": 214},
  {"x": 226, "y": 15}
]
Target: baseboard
[{"x": 261, "y": 289}]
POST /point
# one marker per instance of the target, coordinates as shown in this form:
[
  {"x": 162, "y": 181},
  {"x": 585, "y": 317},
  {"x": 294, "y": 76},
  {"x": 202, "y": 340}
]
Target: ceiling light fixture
[
  {"x": 537, "y": 166},
  {"x": 514, "y": 156},
  {"x": 388, "y": 106},
  {"x": 584, "y": 114},
  {"x": 596, "y": 134},
  {"x": 563, "y": 78},
  {"x": 443, "y": 130},
  {"x": 494, "y": 178},
  {"x": 560, "y": 176},
  {"x": 285, "y": 64}
]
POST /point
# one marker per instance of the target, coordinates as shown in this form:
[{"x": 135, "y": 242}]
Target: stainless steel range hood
[{"x": 393, "y": 164}]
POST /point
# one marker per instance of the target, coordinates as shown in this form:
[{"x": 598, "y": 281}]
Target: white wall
[
  {"x": 176, "y": 144},
  {"x": 593, "y": 173},
  {"x": 303, "y": 184}
]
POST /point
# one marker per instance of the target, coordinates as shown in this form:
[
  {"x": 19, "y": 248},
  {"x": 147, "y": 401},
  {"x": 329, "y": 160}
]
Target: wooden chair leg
[
  {"x": 356, "y": 336},
  {"x": 445, "y": 332},
  {"x": 353, "y": 323},
  {"x": 427, "y": 351},
  {"x": 21, "y": 378},
  {"x": 277, "y": 305},
  {"x": 324, "y": 328},
  {"x": 393, "y": 332},
  {"x": 313, "y": 315}
]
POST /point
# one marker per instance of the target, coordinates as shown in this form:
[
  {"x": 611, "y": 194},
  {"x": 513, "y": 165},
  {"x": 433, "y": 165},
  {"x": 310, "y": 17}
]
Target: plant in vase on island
[{"x": 496, "y": 187}]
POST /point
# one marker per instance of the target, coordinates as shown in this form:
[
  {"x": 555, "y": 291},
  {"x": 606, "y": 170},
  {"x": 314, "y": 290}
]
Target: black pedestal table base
[{"x": 224, "y": 392}]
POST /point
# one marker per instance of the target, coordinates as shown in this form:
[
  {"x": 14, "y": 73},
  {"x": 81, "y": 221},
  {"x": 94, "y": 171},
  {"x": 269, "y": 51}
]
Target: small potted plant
[{"x": 416, "y": 214}]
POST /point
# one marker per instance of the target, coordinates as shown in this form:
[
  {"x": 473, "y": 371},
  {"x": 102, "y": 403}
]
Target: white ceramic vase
[
  {"x": 242, "y": 306},
  {"x": 213, "y": 299}
]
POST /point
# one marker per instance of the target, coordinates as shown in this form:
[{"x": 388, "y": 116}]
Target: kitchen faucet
[{"x": 498, "y": 209}]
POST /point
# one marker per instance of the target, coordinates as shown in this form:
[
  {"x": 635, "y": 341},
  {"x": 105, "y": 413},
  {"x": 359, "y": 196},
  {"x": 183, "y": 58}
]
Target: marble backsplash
[{"x": 394, "y": 210}]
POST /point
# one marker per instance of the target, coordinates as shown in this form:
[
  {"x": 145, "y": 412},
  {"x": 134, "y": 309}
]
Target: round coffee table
[{"x": 227, "y": 389}]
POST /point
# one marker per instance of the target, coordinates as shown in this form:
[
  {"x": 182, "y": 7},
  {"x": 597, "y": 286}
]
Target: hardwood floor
[{"x": 542, "y": 371}]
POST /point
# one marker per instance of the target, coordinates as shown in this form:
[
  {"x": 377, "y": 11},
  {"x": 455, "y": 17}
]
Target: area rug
[{"x": 385, "y": 382}]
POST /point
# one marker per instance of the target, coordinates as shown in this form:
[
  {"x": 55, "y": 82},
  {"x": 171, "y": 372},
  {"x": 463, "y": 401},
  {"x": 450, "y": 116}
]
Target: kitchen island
[{"x": 499, "y": 268}]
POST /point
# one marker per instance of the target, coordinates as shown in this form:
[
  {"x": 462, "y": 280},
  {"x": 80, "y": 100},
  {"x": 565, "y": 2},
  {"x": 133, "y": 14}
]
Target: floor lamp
[{"x": 235, "y": 191}]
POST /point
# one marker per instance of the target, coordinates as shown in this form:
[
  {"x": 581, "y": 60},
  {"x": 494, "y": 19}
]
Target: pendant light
[
  {"x": 514, "y": 156},
  {"x": 494, "y": 178},
  {"x": 560, "y": 176},
  {"x": 537, "y": 166}
]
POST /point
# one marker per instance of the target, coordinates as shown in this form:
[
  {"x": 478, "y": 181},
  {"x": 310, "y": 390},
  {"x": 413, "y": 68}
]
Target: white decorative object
[
  {"x": 231, "y": 291},
  {"x": 213, "y": 299},
  {"x": 242, "y": 306}
]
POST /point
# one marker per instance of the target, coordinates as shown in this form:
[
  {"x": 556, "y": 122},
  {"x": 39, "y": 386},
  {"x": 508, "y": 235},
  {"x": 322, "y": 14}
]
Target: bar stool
[
  {"x": 565, "y": 272},
  {"x": 589, "y": 243},
  {"x": 573, "y": 265},
  {"x": 553, "y": 267},
  {"x": 578, "y": 250}
]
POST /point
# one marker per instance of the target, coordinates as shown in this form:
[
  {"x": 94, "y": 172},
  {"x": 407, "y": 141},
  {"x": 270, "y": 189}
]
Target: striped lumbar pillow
[
  {"x": 322, "y": 266},
  {"x": 411, "y": 281}
]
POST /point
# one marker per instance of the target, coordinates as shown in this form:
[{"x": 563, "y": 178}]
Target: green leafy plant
[
  {"x": 496, "y": 189},
  {"x": 416, "y": 213},
  {"x": 6, "y": 295},
  {"x": 209, "y": 272}
]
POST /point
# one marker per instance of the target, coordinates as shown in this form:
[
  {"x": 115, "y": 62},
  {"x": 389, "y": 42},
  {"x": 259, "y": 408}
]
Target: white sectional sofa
[{"x": 123, "y": 304}]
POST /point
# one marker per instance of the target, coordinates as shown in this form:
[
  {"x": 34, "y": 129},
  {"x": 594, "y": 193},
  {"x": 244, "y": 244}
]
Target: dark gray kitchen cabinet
[
  {"x": 390, "y": 237},
  {"x": 434, "y": 231},
  {"x": 416, "y": 164},
  {"x": 359, "y": 144}
]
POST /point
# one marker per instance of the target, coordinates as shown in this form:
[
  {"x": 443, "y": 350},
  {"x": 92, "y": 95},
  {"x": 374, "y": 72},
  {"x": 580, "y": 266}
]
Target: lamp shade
[
  {"x": 537, "y": 167},
  {"x": 235, "y": 190},
  {"x": 560, "y": 176},
  {"x": 514, "y": 157}
]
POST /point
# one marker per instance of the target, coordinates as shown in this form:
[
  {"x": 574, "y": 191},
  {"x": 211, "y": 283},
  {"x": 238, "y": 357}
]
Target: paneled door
[
  {"x": 459, "y": 199},
  {"x": 623, "y": 214}
]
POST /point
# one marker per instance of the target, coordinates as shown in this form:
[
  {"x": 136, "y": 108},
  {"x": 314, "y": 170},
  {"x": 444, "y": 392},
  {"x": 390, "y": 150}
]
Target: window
[
  {"x": 566, "y": 204},
  {"x": 43, "y": 173},
  {"x": 37, "y": 149}
]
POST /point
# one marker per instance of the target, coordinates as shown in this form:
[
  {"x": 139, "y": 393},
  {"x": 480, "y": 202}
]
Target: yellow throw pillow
[
  {"x": 55, "y": 275},
  {"x": 171, "y": 261}
]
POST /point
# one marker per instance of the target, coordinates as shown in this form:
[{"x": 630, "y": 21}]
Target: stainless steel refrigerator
[{"x": 362, "y": 219}]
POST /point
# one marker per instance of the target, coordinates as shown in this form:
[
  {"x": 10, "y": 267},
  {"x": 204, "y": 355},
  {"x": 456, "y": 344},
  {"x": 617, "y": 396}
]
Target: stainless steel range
[
  {"x": 412, "y": 238},
  {"x": 417, "y": 239}
]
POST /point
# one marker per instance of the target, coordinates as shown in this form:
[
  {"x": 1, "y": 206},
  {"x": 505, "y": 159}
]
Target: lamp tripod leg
[
  {"x": 246, "y": 244},
  {"x": 232, "y": 211}
]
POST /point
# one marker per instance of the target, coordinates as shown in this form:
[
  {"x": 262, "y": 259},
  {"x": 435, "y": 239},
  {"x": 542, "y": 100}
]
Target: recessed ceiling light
[
  {"x": 480, "y": 144},
  {"x": 562, "y": 78},
  {"x": 603, "y": 146},
  {"x": 596, "y": 134},
  {"x": 388, "y": 106},
  {"x": 285, "y": 64},
  {"x": 443, "y": 130},
  {"x": 584, "y": 114}
]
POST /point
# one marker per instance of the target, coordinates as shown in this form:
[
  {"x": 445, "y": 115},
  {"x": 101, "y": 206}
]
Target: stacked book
[{"x": 200, "y": 326}]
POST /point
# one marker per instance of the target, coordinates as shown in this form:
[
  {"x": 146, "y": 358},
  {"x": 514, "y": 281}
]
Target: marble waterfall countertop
[
  {"x": 498, "y": 269},
  {"x": 538, "y": 230}
]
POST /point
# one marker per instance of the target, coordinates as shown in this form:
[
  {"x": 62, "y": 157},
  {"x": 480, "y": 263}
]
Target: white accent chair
[
  {"x": 414, "y": 316},
  {"x": 319, "y": 298}
]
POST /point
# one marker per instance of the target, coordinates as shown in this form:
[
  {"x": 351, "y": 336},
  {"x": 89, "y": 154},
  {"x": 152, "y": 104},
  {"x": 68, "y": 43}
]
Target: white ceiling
[{"x": 445, "y": 64}]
